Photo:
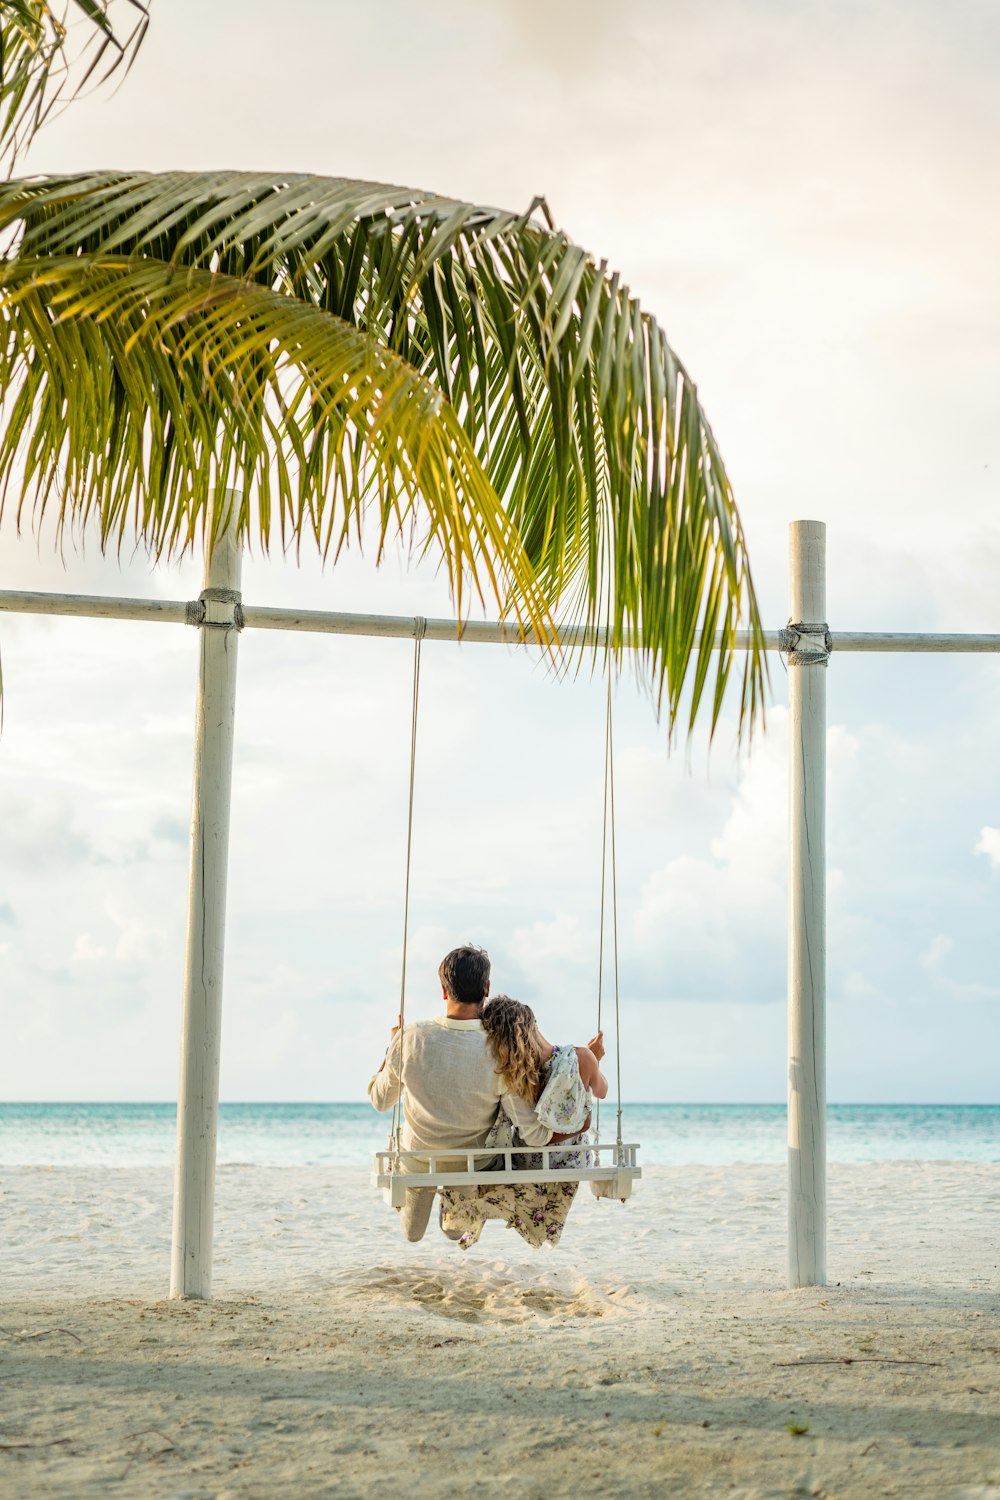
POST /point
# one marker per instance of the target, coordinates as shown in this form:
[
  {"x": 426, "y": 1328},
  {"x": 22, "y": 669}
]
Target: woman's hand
[{"x": 596, "y": 1045}]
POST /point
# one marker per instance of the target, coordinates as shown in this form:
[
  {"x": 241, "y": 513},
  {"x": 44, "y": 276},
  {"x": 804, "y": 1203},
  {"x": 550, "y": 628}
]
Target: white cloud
[
  {"x": 936, "y": 952},
  {"x": 716, "y": 925},
  {"x": 561, "y": 940},
  {"x": 87, "y": 951},
  {"x": 857, "y": 987},
  {"x": 138, "y": 942},
  {"x": 935, "y": 961},
  {"x": 39, "y": 832},
  {"x": 989, "y": 844}
]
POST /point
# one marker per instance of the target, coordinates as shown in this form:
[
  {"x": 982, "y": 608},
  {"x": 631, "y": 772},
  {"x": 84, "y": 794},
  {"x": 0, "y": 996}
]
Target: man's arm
[
  {"x": 558, "y": 1136},
  {"x": 529, "y": 1127},
  {"x": 384, "y": 1088}
]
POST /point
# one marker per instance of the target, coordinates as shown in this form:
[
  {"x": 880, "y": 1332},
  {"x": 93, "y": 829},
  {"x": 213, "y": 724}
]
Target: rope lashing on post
[
  {"x": 396, "y": 1124},
  {"x": 196, "y": 610},
  {"x": 805, "y": 645}
]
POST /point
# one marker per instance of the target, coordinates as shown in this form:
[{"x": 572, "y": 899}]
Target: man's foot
[{"x": 451, "y": 1234}]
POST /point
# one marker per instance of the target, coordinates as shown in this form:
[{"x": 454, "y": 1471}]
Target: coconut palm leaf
[
  {"x": 39, "y": 70},
  {"x": 574, "y": 407},
  {"x": 139, "y": 390}
]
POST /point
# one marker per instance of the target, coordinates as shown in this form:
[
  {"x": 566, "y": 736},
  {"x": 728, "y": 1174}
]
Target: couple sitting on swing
[{"x": 483, "y": 1075}]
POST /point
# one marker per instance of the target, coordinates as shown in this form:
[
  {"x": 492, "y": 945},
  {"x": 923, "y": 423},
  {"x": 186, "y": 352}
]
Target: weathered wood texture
[{"x": 198, "y": 1097}]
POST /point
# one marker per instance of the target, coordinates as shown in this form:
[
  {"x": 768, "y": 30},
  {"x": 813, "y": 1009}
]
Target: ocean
[{"x": 317, "y": 1135}]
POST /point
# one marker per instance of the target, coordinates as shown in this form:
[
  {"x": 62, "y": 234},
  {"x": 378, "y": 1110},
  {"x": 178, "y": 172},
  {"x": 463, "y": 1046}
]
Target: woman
[{"x": 561, "y": 1082}]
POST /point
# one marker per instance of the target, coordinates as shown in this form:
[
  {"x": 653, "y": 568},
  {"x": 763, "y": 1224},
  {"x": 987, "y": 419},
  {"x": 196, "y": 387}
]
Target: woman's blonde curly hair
[{"x": 513, "y": 1039}]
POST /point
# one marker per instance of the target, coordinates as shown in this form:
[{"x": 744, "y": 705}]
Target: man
[{"x": 452, "y": 1090}]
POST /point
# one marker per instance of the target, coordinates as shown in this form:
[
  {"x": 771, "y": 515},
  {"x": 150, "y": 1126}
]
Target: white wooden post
[
  {"x": 198, "y": 1092},
  {"x": 807, "y": 658}
]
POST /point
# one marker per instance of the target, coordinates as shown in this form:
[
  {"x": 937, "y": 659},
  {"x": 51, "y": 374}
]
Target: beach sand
[{"x": 654, "y": 1353}]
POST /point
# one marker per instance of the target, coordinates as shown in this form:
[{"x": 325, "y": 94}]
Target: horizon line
[{"x": 633, "y": 1103}]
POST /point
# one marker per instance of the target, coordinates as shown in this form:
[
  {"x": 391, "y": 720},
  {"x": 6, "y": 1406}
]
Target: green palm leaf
[
  {"x": 138, "y": 390},
  {"x": 38, "y": 70},
  {"x": 575, "y": 412}
]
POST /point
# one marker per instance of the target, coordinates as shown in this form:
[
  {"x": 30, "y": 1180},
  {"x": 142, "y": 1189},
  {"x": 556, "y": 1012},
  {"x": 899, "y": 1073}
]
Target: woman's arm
[{"x": 590, "y": 1073}]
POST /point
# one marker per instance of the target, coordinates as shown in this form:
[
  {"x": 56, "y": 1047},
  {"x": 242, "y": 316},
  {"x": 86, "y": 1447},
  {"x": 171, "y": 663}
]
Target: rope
[
  {"x": 396, "y": 1122},
  {"x": 805, "y": 645},
  {"x": 195, "y": 609}
]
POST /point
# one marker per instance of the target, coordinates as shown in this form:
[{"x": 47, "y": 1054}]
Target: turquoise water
[{"x": 133, "y": 1135}]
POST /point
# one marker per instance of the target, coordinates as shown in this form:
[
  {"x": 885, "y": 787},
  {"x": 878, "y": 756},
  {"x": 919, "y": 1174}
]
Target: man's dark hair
[{"x": 465, "y": 974}]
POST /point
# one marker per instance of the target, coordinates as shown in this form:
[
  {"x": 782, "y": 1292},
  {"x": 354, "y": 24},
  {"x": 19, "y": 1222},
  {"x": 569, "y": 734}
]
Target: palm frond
[
  {"x": 133, "y": 390},
  {"x": 46, "y": 60},
  {"x": 571, "y": 399}
]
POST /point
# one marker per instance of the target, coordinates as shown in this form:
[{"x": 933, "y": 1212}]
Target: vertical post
[
  {"x": 808, "y": 652},
  {"x": 198, "y": 1090}
]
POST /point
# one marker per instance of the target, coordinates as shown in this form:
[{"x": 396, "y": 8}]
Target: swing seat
[{"x": 395, "y": 1171}]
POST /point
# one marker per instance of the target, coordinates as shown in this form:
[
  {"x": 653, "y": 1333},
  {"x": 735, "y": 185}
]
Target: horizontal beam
[
  {"x": 881, "y": 640},
  {"x": 404, "y": 627},
  {"x": 97, "y": 606}
]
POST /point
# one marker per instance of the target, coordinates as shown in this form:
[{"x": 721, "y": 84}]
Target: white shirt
[{"x": 451, "y": 1088}]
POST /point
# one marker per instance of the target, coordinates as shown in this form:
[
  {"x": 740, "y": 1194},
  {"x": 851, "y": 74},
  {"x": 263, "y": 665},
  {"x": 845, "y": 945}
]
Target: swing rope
[
  {"x": 396, "y": 1123},
  {"x": 609, "y": 802}
]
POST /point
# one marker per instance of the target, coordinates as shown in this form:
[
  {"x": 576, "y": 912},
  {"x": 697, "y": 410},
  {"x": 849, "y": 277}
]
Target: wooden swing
[{"x": 614, "y": 1166}]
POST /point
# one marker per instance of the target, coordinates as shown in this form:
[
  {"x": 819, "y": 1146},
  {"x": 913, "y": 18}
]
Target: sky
[{"x": 805, "y": 197}]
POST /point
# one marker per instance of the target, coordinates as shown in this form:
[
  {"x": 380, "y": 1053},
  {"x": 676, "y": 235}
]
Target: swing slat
[{"x": 394, "y": 1172}]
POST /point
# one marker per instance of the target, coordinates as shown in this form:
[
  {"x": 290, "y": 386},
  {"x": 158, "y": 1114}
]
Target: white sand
[{"x": 655, "y": 1352}]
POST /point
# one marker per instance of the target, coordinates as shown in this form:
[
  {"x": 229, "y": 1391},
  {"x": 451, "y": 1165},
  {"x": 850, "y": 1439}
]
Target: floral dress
[{"x": 537, "y": 1210}]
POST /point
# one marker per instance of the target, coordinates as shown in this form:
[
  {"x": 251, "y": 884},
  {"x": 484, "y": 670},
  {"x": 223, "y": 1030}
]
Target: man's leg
[
  {"x": 448, "y": 1200},
  {"x": 416, "y": 1212}
]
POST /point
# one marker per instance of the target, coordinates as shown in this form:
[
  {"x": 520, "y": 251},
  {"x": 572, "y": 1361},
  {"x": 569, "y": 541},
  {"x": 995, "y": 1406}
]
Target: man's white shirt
[{"x": 452, "y": 1088}]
